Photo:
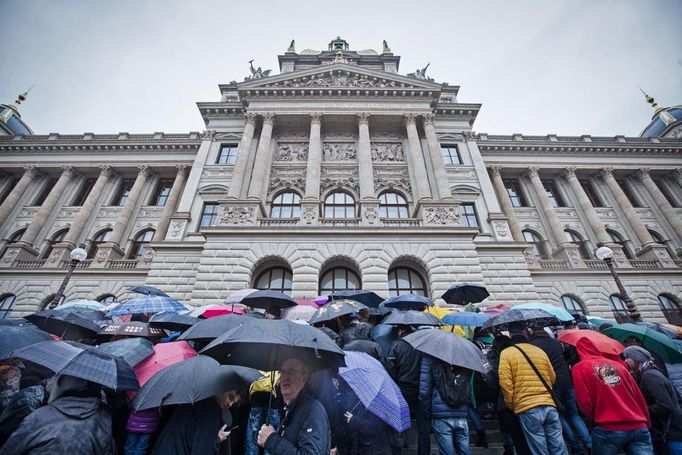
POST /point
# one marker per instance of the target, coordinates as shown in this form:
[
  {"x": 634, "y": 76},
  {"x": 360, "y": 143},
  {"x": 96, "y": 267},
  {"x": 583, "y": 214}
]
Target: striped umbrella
[{"x": 148, "y": 304}]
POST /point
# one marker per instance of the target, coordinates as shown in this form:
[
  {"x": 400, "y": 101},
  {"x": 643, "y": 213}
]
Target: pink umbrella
[
  {"x": 307, "y": 302},
  {"x": 165, "y": 354},
  {"x": 219, "y": 310},
  {"x": 497, "y": 309}
]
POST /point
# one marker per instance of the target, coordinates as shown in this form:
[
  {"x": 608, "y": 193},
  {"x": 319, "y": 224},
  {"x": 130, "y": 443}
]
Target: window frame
[
  {"x": 40, "y": 198},
  {"x": 96, "y": 241},
  {"x": 347, "y": 271},
  {"x": 630, "y": 195},
  {"x": 293, "y": 208},
  {"x": 286, "y": 276},
  {"x": 5, "y": 308},
  {"x": 578, "y": 240},
  {"x": 538, "y": 244},
  {"x": 212, "y": 217},
  {"x": 83, "y": 192},
  {"x": 138, "y": 245},
  {"x": 575, "y": 302},
  {"x": 591, "y": 193},
  {"x": 122, "y": 192},
  {"x": 397, "y": 290},
  {"x": 348, "y": 207},
  {"x": 518, "y": 199},
  {"x": 446, "y": 153},
  {"x": 400, "y": 206},
  {"x": 620, "y": 314},
  {"x": 228, "y": 158},
  {"x": 466, "y": 216},
  {"x": 619, "y": 240},
  {"x": 553, "y": 194},
  {"x": 51, "y": 242},
  {"x": 161, "y": 192}
]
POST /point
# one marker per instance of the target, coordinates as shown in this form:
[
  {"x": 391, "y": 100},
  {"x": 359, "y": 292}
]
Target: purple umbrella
[{"x": 375, "y": 389}]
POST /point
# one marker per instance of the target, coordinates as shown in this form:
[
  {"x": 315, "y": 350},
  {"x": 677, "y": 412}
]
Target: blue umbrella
[
  {"x": 466, "y": 318},
  {"x": 148, "y": 304},
  {"x": 560, "y": 313},
  {"x": 147, "y": 290},
  {"x": 376, "y": 390},
  {"x": 384, "y": 336},
  {"x": 367, "y": 298},
  {"x": 132, "y": 350},
  {"x": 465, "y": 293},
  {"x": 408, "y": 302}
]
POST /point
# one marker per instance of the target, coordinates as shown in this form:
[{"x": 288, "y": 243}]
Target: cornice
[{"x": 89, "y": 142}]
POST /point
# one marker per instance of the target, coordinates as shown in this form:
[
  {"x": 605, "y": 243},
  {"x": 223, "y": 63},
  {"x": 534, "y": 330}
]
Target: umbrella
[
  {"x": 376, "y": 390},
  {"x": 525, "y": 318},
  {"x": 657, "y": 326},
  {"x": 132, "y": 350},
  {"x": 238, "y": 296},
  {"x": 209, "y": 329},
  {"x": 266, "y": 344},
  {"x": 367, "y": 298},
  {"x": 336, "y": 309},
  {"x": 81, "y": 304},
  {"x": 450, "y": 348},
  {"x": 66, "y": 324},
  {"x": 147, "y": 290},
  {"x": 268, "y": 299},
  {"x": 321, "y": 299},
  {"x": 408, "y": 302},
  {"x": 652, "y": 340},
  {"x": 165, "y": 354},
  {"x": 81, "y": 361},
  {"x": 148, "y": 304},
  {"x": 13, "y": 337},
  {"x": 605, "y": 344},
  {"x": 172, "y": 321},
  {"x": 298, "y": 313},
  {"x": 132, "y": 329},
  {"x": 464, "y": 293},
  {"x": 411, "y": 317},
  {"x": 384, "y": 336},
  {"x": 560, "y": 313},
  {"x": 192, "y": 380},
  {"x": 497, "y": 309},
  {"x": 220, "y": 310},
  {"x": 466, "y": 318}
]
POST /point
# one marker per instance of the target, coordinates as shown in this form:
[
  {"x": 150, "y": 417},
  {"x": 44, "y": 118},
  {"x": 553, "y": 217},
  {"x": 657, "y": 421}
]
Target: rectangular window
[
  {"x": 227, "y": 154},
  {"x": 44, "y": 192},
  {"x": 515, "y": 194},
  {"x": 83, "y": 193},
  {"x": 123, "y": 192},
  {"x": 450, "y": 155},
  {"x": 469, "y": 217},
  {"x": 591, "y": 193},
  {"x": 209, "y": 216},
  {"x": 553, "y": 194},
  {"x": 666, "y": 192},
  {"x": 629, "y": 194},
  {"x": 161, "y": 192}
]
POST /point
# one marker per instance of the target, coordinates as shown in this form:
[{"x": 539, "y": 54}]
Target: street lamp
[
  {"x": 77, "y": 256},
  {"x": 605, "y": 253}
]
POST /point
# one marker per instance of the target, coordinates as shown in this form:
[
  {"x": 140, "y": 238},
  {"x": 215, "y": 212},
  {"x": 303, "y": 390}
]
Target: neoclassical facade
[{"x": 340, "y": 173}]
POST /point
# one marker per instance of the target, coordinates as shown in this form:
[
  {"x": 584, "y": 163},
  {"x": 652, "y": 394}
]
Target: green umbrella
[{"x": 652, "y": 340}]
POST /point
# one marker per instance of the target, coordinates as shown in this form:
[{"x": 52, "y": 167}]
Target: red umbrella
[
  {"x": 605, "y": 344},
  {"x": 219, "y": 310}
]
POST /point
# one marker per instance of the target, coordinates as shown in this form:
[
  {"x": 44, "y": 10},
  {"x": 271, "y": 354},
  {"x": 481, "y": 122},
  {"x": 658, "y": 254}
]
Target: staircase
[{"x": 492, "y": 428}]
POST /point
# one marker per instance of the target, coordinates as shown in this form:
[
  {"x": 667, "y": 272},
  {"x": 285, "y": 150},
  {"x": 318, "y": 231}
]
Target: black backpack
[{"x": 453, "y": 386}]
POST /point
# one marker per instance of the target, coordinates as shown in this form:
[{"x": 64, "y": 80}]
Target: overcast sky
[{"x": 538, "y": 67}]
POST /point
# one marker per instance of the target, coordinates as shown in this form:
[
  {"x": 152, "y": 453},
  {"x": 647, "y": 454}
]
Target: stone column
[
  {"x": 314, "y": 168},
  {"x": 127, "y": 211},
  {"x": 507, "y": 208},
  {"x": 86, "y": 211},
  {"x": 239, "y": 170},
  {"x": 171, "y": 202},
  {"x": 546, "y": 206},
  {"x": 442, "y": 181},
  {"x": 416, "y": 157},
  {"x": 261, "y": 162},
  {"x": 678, "y": 175},
  {"x": 586, "y": 206},
  {"x": 661, "y": 201},
  {"x": 13, "y": 198},
  {"x": 366, "y": 172}
]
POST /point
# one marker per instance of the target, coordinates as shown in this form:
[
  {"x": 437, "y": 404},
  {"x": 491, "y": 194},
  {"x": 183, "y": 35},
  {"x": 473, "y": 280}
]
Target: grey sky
[{"x": 538, "y": 67}]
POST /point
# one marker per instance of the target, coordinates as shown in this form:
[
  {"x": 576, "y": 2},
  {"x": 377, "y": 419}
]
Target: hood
[
  {"x": 77, "y": 407},
  {"x": 586, "y": 349}
]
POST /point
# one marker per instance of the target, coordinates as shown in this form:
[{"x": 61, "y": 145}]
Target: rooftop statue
[
  {"x": 256, "y": 73},
  {"x": 387, "y": 50},
  {"x": 421, "y": 74},
  {"x": 292, "y": 47}
]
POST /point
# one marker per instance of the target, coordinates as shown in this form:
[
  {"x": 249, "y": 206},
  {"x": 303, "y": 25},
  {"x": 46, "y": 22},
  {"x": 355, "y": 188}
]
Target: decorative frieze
[
  {"x": 150, "y": 212},
  {"x": 110, "y": 212},
  {"x": 291, "y": 152},
  {"x": 28, "y": 212},
  {"x": 339, "y": 151},
  {"x": 392, "y": 177},
  {"x": 441, "y": 215},
  {"x": 339, "y": 80},
  {"x": 387, "y": 151},
  {"x": 216, "y": 171},
  {"x": 68, "y": 212},
  {"x": 566, "y": 213},
  {"x": 236, "y": 215}
]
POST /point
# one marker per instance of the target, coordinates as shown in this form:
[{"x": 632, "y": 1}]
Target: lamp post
[
  {"x": 77, "y": 255},
  {"x": 606, "y": 254}
]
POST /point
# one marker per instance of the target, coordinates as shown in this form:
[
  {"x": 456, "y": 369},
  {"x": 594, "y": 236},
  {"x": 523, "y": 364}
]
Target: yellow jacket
[{"x": 521, "y": 387}]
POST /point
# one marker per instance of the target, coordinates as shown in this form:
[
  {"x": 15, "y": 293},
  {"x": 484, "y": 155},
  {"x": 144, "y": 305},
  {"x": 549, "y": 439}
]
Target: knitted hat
[{"x": 637, "y": 354}]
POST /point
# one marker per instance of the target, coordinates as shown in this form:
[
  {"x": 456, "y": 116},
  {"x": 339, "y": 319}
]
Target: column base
[
  {"x": 105, "y": 253},
  {"x": 240, "y": 212},
  {"x": 310, "y": 212},
  {"x": 657, "y": 253},
  {"x": 500, "y": 225},
  {"x": 437, "y": 213},
  {"x": 178, "y": 226},
  {"x": 369, "y": 212},
  {"x": 570, "y": 253},
  {"x": 19, "y": 251}
]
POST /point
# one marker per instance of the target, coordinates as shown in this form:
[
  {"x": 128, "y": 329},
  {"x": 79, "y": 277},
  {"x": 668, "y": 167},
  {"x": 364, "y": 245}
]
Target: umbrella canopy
[
  {"x": 165, "y": 354},
  {"x": 605, "y": 344},
  {"x": 408, "y": 302},
  {"x": 466, "y": 318},
  {"x": 654, "y": 341},
  {"x": 85, "y": 362},
  {"x": 526, "y": 318},
  {"x": 132, "y": 350},
  {"x": 321, "y": 299},
  {"x": 81, "y": 304},
  {"x": 172, "y": 321},
  {"x": 132, "y": 329},
  {"x": 336, "y": 309},
  {"x": 268, "y": 299},
  {"x": 376, "y": 390},
  {"x": 662, "y": 328},
  {"x": 147, "y": 290},
  {"x": 560, "y": 313},
  {"x": 238, "y": 296},
  {"x": 497, "y": 309},
  {"x": 192, "y": 380},
  {"x": 220, "y": 310},
  {"x": 148, "y": 304},
  {"x": 210, "y": 329},
  {"x": 66, "y": 324},
  {"x": 411, "y": 317},
  {"x": 450, "y": 348},
  {"x": 464, "y": 293},
  {"x": 368, "y": 298},
  {"x": 299, "y": 313},
  {"x": 268, "y": 343},
  {"x": 13, "y": 337}
]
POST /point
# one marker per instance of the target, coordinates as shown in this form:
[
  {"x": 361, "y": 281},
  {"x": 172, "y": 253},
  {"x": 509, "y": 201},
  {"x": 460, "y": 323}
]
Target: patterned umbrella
[
  {"x": 336, "y": 309},
  {"x": 147, "y": 290},
  {"x": 66, "y": 324},
  {"x": 148, "y": 304},
  {"x": 560, "y": 313},
  {"x": 408, "y": 302},
  {"x": 376, "y": 390},
  {"x": 132, "y": 350},
  {"x": 367, "y": 298},
  {"x": 299, "y": 313},
  {"x": 13, "y": 337},
  {"x": 132, "y": 329},
  {"x": 466, "y": 318},
  {"x": 464, "y": 293},
  {"x": 165, "y": 354},
  {"x": 524, "y": 318},
  {"x": 411, "y": 317}
]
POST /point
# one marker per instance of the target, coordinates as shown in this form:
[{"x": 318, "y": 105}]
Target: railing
[
  {"x": 340, "y": 221},
  {"x": 645, "y": 264},
  {"x": 22, "y": 264},
  {"x": 595, "y": 264},
  {"x": 393, "y": 222},
  {"x": 81, "y": 265},
  {"x": 673, "y": 315},
  {"x": 123, "y": 264},
  {"x": 279, "y": 221},
  {"x": 551, "y": 264}
]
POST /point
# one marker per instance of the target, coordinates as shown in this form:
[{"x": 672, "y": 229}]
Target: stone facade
[{"x": 341, "y": 163}]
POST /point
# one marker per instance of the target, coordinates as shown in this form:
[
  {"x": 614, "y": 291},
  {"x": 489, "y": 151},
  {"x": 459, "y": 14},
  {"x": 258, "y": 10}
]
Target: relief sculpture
[
  {"x": 291, "y": 152},
  {"x": 338, "y": 152},
  {"x": 387, "y": 152}
]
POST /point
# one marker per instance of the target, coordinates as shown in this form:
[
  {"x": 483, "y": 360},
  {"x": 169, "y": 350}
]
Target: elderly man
[{"x": 305, "y": 427}]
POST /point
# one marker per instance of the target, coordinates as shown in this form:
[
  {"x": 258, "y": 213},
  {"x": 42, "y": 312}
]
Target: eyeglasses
[{"x": 291, "y": 372}]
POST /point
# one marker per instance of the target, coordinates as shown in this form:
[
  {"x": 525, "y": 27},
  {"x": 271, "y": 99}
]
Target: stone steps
[{"x": 495, "y": 440}]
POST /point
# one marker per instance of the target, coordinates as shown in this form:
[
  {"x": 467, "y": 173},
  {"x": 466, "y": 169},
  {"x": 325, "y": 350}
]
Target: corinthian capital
[
  {"x": 144, "y": 169},
  {"x": 30, "y": 171},
  {"x": 106, "y": 170},
  {"x": 643, "y": 173},
  {"x": 410, "y": 119},
  {"x": 315, "y": 117},
  {"x": 532, "y": 171},
  {"x": 569, "y": 172},
  {"x": 606, "y": 173},
  {"x": 428, "y": 118},
  {"x": 250, "y": 118},
  {"x": 69, "y": 170},
  {"x": 182, "y": 168},
  {"x": 268, "y": 118},
  {"x": 496, "y": 169},
  {"x": 363, "y": 118}
]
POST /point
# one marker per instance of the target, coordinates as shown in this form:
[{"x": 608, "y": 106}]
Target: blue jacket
[{"x": 430, "y": 400}]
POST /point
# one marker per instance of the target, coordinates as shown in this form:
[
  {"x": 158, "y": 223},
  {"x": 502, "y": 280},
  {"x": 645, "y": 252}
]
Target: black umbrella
[
  {"x": 408, "y": 302},
  {"x": 367, "y": 298},
  {"x": 209, "y": 329},
  {"x": 449, "y": 347},
  {"x": 265, "y": 344},
  {"x": 192, "y": 380},
  {"x": 335, "y": 309},
  {"x": 173, "y": 321},
  {"x": 520, "y": 318},
  {"x": 96, "y": 316},
  {"x": 411, "y": 317},
  {"x": 465, "y": 293},
  {"x": 132, "y": 329},
  {"x": 132, "y": 350},
  {"x": 13, "y": 337},
  {"x": 66, "y": 324},
  {"x": 147, "y": 290},
  {"x": 15, "y": 322},
  {"x": 81, "y": 361},
  {"x": 268, "y": 299}
]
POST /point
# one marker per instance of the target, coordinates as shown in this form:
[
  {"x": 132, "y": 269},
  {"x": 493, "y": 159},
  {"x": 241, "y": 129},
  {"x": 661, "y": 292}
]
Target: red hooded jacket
[{"x": 606, "y": 392}]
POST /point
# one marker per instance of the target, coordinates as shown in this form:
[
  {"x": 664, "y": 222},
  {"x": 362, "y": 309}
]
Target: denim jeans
[
  {"x": 543, "y": 431},
  {"x": 256, "y": 420},
  {"x": 452, "y": 435},
  {"x": 137, "y": 443},
  {"x": 633, "y": 442},
  {"x": 675, "y": 447},
  {"x": 571, "y": 422}
]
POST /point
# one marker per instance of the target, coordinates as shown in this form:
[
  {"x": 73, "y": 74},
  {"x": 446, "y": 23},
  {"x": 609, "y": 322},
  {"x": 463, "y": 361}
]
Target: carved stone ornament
[
  {"x": 530, "y": 257},
  {"x": 110, "y": 212},
  {"x": 387, "y": 152},
  {"x": 26, "y": 212},
  {"x": 55, "y": 256},
  {"x": 501, "y": 229},
  {"x": 441, "y": 215},
  {"x": 150, "y": 212},
  {"x": 468, "y": 135},
  {"x": 279, "y": 182},
  {"x": 148, "y": 255},
  {"x": 237, "y": 215},
  {"x": 573, "y": 257},
  {"x": 10, "y": 254},
  {"x": 208, "y": 135},
  {"x": 392, "y": 178},
  {"x": 308, "y": 215},
  {"x": 339, "y": 182},
  {"x": 339, "y": 151},
  {"x": 291, "y": 152},
  {"x": 102, "y": 254},
  {"x": 371, "y": 214},
  {"x": 339, "y": 81},
  {"x": 68, "y": 212},
  {"x": 446, "y": 99},
  {"x": 663, "y": 257},
  {"x": 176, "y": 228}
]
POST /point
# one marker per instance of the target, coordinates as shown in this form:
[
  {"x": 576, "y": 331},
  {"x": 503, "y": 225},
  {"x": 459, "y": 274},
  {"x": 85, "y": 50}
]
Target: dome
[
  {"x": 663, "y": 122},
  {"x": 11, "y": 122}
]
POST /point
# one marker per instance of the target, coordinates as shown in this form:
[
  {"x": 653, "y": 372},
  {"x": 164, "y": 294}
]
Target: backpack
[{"x": 453, "y": 386}]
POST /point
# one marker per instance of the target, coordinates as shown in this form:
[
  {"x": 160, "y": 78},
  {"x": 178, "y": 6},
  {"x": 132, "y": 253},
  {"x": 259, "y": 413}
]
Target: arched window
[
  {"x": 404, "y": 280},
  {"x": 16, "y": 236},
  {"x": 536, "y": 243},
  {"x": 576, "y": 239},
  {"x": 339, "y": 279},
  {"x": 618, "y": 240},
  {"x": 58, "y": 237},
  {"x": 275, "y": 279},
  {"x": 101, "y": 237},
  {"x": 139, "y": 244},
  {"x": 339, "y": 205},
  {"x": 106, "y": 299},
  {"x": 618, "y": 308},
  {"x": 658, "y": 238},
  {"x": 670, "y": 308},
  {"x": 572, "y": 305},
  {"x": 6, "y": 304},
  {"x": 286, "y": 205},
  {"x": 392, "y": 205}
]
